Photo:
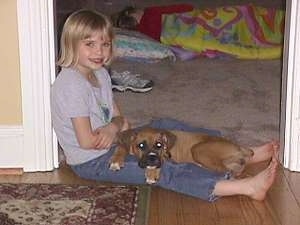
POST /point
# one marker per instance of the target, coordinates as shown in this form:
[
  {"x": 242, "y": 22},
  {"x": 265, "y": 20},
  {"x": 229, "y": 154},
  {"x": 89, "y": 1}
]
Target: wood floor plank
[
  {"x": 282, "y": 201},
  {"x": 193, "y": 210},
  {"x": 169, "y": 208},
  {"x": 257, "y": 212},
  {"x": 229, "y": 211},
  {"x": 10, "y": 179},
  {"x": 293, "y": 179},
  {"x": 11, "y": 171}
]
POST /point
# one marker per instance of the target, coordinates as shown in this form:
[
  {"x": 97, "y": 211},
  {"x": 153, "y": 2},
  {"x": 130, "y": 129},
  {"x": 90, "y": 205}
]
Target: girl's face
[{"x": 93, "y": 52}]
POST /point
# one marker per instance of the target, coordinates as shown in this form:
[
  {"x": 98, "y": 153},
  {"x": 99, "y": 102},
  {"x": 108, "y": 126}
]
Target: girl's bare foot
[
  {"x": 264, "y": 152},
  {"x": 261, "y": 183},
  {"x": 255, "y": 187}
]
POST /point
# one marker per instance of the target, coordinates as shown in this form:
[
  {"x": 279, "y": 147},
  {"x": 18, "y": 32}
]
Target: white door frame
[
  {"x": 37, "y": 66},
  {"x": 290, "y": 132}
]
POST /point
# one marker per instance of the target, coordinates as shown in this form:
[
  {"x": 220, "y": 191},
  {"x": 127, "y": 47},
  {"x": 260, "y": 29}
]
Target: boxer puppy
[{"x": 152, "y": 146}]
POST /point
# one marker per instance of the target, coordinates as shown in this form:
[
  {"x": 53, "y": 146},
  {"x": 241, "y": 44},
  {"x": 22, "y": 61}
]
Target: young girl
[{"x": 86, "y": 120}]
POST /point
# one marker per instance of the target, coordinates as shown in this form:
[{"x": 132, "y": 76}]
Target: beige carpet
[{"x": 241, "y": 98}]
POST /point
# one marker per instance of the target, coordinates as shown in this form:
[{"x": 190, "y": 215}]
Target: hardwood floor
[{"x": 281, "y": 207}]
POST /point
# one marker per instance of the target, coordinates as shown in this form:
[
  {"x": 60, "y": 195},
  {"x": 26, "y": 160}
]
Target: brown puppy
[{"x": 153, "y": 146}]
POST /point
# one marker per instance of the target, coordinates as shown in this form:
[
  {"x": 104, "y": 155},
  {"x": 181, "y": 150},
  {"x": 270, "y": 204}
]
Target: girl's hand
[
  {"x": 126, "y": 125},
  {"x": 102, "y": 137},
  {"x": 105, "y": 136}
]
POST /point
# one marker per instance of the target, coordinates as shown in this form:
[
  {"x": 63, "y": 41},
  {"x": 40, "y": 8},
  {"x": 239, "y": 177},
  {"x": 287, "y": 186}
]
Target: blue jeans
[{"x": 185, "y": 178}]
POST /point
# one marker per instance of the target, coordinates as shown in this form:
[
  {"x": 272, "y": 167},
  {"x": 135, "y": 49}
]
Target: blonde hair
[{"x": 79, "y": 26}]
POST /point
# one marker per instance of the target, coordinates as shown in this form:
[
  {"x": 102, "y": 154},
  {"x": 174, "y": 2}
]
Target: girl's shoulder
[
  {"x": 69, "y": 77},
  {"x": 69, "y": 74}
]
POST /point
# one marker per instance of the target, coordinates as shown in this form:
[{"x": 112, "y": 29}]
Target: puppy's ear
[
  {"x": 126, "y": 139},
  {"x": 168, "y": 139}
]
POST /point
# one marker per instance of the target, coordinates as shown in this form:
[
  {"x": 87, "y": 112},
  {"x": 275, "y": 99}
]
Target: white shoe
[{"x": 126, "y": 81}]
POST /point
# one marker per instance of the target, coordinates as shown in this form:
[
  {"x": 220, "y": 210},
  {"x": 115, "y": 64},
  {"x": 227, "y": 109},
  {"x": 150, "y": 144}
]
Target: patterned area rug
[{"x": 61, "y": 204}]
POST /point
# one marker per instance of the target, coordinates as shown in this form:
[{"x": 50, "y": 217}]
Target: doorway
[{"x": 47, "y": 145}]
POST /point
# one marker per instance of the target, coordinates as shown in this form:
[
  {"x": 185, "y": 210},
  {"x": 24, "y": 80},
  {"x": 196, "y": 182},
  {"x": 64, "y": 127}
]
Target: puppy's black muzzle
[{"x": 150, "y": 159}]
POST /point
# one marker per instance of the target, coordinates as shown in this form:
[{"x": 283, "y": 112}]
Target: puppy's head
[{"x": 151, "y": 146}]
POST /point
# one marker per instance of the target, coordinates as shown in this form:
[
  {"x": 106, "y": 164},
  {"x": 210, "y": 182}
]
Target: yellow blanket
[{"x": 247, "y": 31}]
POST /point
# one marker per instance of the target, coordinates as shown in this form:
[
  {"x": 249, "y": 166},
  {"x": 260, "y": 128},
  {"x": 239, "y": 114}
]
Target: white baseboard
[{"x": 11, "y": 146}]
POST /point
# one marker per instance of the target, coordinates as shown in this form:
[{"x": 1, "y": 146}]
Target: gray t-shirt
[{"x": 73, "y": 96}]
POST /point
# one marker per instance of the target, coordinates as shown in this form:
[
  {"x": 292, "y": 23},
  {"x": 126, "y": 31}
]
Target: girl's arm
[
  {"x": 102, "y": 137},
  {"x": 120, "y": 121},
  {"x": 86, "y": 138},
  {"x": 108, "y": 133}
]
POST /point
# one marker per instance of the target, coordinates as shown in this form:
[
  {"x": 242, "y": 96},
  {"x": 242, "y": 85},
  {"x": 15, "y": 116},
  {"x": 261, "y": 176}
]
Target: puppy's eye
[
  {"x": 142, "y": 145},
  {"x": 158, "y": 145}
]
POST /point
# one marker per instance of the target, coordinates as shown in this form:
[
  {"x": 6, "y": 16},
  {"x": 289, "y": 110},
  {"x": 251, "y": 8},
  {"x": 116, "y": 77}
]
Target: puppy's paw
[
  {"x": 236, "y": 166},
  {"x": 150, "y": 180},
  {"x": 152, "y": 175},
  {"x": 115, "y": 166}
]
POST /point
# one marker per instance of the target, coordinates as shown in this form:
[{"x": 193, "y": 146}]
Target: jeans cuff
[{"x": 212, "y": 197}]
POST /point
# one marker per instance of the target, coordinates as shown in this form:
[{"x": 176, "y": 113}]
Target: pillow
[{"x": 135, "y": 46}]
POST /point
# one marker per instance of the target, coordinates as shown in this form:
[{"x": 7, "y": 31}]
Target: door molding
[
  {"x": 290, "y": 132},
  {"x": 37, "y": 70},
  {"x": 37, "y": 65}
]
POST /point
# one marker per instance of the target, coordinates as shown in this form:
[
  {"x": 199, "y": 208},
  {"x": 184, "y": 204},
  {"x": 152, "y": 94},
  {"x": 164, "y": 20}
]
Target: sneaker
[{"x": 126, "y": 81}]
